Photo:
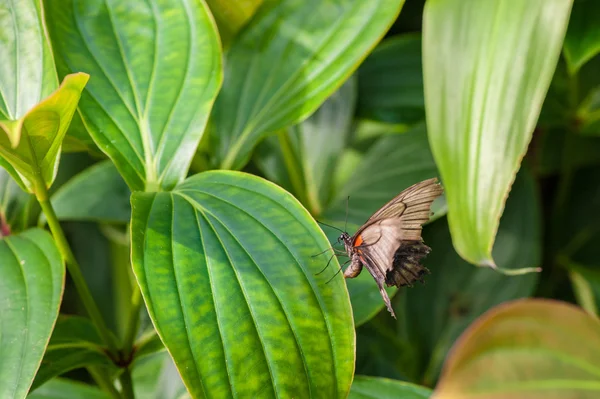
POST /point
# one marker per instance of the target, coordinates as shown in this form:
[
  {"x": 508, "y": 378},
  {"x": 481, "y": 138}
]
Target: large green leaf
[
  {"x": 226, "y": 270},
  {"x": 96, "y": 194},
  {"x": 365, "y": 387},
  {"x": 526, "y": 349},
  {"x": 315, "y": 45},
  {"x": 32, "y": 143},
  {"x": 582, "y": 41},
  {"x": 390, "y": 82},
  {"x": 156, "y": 69},
  {"x": 27, "y": 73},
  {"x": 303, "y": 158},
  {"x": 31, "y": 288},
  {"x": 60, "y": 388},
  {"x": 456, "y": 293},
  {"x": 74, "y": 344},
  {"x": 487, "y": 67}
]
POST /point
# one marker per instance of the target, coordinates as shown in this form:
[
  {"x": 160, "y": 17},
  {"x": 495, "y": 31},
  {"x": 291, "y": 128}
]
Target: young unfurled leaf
[{"x": 32, "y": 144}]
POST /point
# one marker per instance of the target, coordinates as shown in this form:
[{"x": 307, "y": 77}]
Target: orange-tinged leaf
[{"x": 526, "y": 349}]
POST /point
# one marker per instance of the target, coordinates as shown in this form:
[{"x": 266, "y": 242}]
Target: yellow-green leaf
[
  {"x": 487, "y": 68},
  {"x": 31, "y": 144}
]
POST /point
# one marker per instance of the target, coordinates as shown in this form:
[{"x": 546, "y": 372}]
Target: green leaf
[
  {"x": 60, "y": 388},
  {"x": 157, "y": 377},
  {"x": 31, "y": 288},
  {"x": 78, "y": 139},
  {"x": 231, "y": 16},
  {"x": 304, "y": 157},
  {"x": 315, "y": 45},
  {"x": 392, "y": 164},
  {"x": 557, "y": 149},
  {"x": 390, "y": 82},
  {"x": 149, "y": 343},
  {"x": 586, "y": 286},
  {"x": 456, "y": 293},
  {"x": 98, "y": 194},
  {"x": 582, "y": 41},
  {"x": 487, "y": 67},
  {"x": 365, "y": 387},
  {"x": 32, "y": 143},
  {"x": 27, "y": 73},
  {"x": 74, "y": 344},
  {"x": 156, "y": 70},
  {"x": 226, "y": 270},
  {"x": 528, "y": 348},
  {"x": 13, "y": 205}
]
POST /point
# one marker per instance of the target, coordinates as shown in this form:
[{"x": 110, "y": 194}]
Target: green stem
[
  {"x": 133, "y": 322},
  {"x": 104, "y": 382},
  {"x": 73, "y": 268},
  {"x": 126, "y": 384},
  {"x": 293, "y": 168}
]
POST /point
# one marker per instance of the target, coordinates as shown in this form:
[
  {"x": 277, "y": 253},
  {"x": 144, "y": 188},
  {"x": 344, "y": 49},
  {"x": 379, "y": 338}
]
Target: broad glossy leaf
[
  {"x": 96, "y": 194},
  {"x": 156, "y": 377},
  {"x": 32, "y": 143},
  {"x": 365, "y": 387},
  {"x": 304, "y": 157},
  {"x": 526, "y": 349},
  {"x": 74, "y": 344},
  {"x": 487, "y": 67},
  {"x": 390, "y": 82},
  {"x": 31, "y": 288},
  {"x": 27, "y": 73},
  {"x": 61, "y": 388},
  {"x": 231, "y": 16},
  {"x": 226, "y": 270},
  {"x": 436, "y": 313},
  {"x": 582, "y": 41},
  {"x": 156, "y": 69},
  {"x": 315, "y": 45}
]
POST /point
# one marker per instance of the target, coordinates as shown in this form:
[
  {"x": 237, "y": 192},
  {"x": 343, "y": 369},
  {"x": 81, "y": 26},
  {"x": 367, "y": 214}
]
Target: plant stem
[
  {"x": 103, "y": 382},
  {"x": 127, "y": 384},
  {"x": 133, "y": 322},
  {"x": 73, "y": 268}
]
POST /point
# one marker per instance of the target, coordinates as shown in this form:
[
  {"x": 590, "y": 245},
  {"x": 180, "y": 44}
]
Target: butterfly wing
[{"x": 390, "y": 243}]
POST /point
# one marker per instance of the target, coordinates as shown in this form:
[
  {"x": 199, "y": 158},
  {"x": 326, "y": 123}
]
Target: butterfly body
[{"x": 389, "y": 244}]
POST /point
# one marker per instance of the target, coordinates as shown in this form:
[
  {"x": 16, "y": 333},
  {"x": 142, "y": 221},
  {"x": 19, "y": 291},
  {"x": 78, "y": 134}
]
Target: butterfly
[{"x": 389, "y": 244}]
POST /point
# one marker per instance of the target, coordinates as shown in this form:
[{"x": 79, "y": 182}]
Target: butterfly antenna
[
  {"x": 346, "y": 223},
  {"x": 328, "y": 225},
  {"x": 327, "y": 265},
  {"x": 338, "y": 272}
]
